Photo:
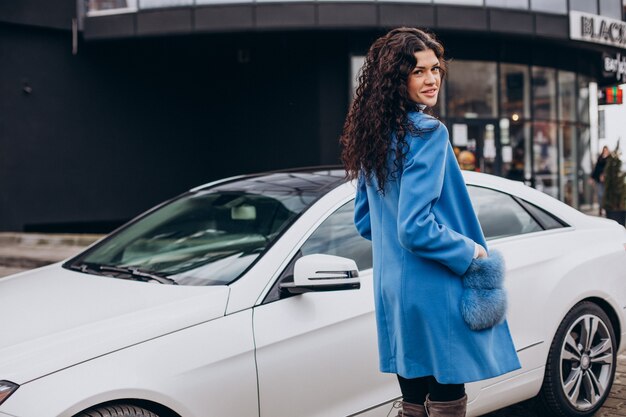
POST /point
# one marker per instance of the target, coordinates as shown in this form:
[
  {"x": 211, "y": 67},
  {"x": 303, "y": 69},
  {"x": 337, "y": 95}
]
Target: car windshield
[{"x": 208, "y": 237}]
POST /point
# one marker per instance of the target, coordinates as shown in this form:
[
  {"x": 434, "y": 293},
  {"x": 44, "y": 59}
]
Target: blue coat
[{"x": 423, "y": 232}]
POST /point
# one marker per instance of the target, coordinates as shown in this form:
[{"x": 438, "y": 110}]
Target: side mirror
[{"x": 323, "y": 273}]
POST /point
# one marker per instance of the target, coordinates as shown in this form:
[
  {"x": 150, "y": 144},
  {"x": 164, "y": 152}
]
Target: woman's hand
[{"x": 482, "y": 252}]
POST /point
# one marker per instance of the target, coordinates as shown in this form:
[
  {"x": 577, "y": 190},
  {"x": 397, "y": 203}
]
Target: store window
[
  {"x": 567, "y": 96},
  {"x": 515, "y": 141},
  {"x": 583, "y": 98},
  {"x": 356, "y": 63},
  {"x": 512, "y": 4},
  {"x": 546, "y": 157},
  {"x": 514, "y": 91},
  {"x": 153, "y": 4},
  {"x": 601, "y": 124},
  {"x": 107, "y": 6},
  {"x": 461, "y": 2},
  {"x": 584, "y": 6},
  {"x": 585, "y": 167},
  {"x": 472, "y": 89},
  {"x": 544, "y": 93},
  {"x": 568, "y": 184},
  {"x": 549, "y": 6},
  {"x": 611, "y": 8}
]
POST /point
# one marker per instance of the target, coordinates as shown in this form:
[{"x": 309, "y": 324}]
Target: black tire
[
  {"x": 117, "y": 410},
  {"x": 579, "y": 376}
]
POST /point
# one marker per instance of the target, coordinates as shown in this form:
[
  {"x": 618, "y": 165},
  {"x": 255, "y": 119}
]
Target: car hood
[{"x": 53, "y": 318}]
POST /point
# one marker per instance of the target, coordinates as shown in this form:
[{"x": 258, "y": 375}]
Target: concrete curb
[
  {"x": 20, "y": 251},
  {"x": 34, "y": 239}
]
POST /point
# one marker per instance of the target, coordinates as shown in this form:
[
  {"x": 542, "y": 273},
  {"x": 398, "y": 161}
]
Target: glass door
[{"x": 476, "y": 144}]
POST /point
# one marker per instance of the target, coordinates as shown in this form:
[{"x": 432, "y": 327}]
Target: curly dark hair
[{"x": 382, "y": 102}]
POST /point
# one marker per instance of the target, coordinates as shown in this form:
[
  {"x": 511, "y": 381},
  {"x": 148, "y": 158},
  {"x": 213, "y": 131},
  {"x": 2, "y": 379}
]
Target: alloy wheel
[{"x": 586, "y": 363}]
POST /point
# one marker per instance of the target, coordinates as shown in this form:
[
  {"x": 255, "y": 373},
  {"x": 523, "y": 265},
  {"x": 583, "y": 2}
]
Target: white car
[{"x": 252, "y": 296}]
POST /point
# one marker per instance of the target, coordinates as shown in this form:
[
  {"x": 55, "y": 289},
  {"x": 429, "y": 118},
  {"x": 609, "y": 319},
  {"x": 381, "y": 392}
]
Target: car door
[
  {"x": 531, "y": 240},
  {"x": 316, "y": 352}
]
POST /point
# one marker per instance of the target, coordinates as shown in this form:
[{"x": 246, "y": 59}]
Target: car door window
[
  {"x": 337, "y": 236},
  {"x": 547, "y": 220},
  {"x": 500, "y": 215}
]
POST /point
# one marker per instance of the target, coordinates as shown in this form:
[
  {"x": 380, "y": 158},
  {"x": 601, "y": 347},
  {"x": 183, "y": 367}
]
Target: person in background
[
  {"x": 598, "y": 175},
  {"x": 412, "y": 203}
]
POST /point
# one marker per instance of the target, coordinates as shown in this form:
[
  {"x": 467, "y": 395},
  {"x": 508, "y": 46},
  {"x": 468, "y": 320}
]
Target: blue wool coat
[{"x": 423, "y": 232}]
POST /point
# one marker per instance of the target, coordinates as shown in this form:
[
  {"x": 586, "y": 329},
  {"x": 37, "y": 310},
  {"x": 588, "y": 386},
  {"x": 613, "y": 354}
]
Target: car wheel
[
  {"x": 581, "y": 364},
  {"x": 118, "y": 410}
]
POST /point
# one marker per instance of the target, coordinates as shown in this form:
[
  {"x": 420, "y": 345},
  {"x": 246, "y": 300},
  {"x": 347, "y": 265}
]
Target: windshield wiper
[
  {"x": 83, "y": 267},
  {"x": 137, "y": 274}
]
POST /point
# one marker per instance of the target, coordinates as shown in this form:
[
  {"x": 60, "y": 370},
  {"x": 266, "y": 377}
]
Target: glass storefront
[
  {"x": 523, "y": 122},
  {"x": 526, "y": 123}
]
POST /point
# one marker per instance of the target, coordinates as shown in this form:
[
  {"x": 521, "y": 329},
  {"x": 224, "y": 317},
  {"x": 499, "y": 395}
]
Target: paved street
[
  {"x": 20, "y": 252},
  {"x": 615, "y": 406}
]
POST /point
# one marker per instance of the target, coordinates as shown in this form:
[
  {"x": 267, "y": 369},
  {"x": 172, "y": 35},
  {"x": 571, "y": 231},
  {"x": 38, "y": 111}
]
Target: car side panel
[
  {"x": 596, "y": 272},
  {"x": 547, "y": 274},
  {"x": 187, "y": 371},
  {"x": 325, "y": 347},
  {"x": 504, "y": 393}
]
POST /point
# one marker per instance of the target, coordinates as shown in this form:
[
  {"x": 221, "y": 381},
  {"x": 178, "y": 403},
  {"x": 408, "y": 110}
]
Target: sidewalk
[
  {"x": 615, "y": 405},
  {"x": 23, "y": 251}
]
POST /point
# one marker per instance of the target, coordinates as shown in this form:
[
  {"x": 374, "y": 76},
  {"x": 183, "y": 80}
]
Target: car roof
[
  {"x": 321, "y": 179},
  {"x": 308, "y": 180}
]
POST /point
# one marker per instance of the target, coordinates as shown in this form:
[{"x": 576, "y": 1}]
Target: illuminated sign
[
  {"x": 597, "y": 29},
  {"x": 614, "y": 67},
  {"x": 610, "y": 95}
]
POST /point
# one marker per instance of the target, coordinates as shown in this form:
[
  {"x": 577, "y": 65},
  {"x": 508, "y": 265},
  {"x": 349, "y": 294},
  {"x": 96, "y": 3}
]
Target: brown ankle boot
[
  {"x": 409, "y": 409},
  {"x": 456, "y": 408},
  {"x": 412, "y": 410}
]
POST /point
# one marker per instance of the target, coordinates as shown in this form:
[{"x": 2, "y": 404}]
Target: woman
[
  {"x": 598, "y": 176},
  {"x": 413, "y": 204}
]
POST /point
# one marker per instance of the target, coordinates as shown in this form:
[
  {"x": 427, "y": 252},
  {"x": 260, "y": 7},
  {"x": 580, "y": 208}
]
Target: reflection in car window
[
  {"x": 500, "y": 215},
  {"x": 338, "y": 236}
]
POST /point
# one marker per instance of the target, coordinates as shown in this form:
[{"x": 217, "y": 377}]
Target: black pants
[{"x": 414, "y": 390}]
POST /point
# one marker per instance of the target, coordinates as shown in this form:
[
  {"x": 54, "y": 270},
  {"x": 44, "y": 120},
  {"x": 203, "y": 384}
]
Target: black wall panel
[
  {"x": 123, "y": 125},
  {"x": 53, "y": 14},
  {"x": 91, "y": 139}
]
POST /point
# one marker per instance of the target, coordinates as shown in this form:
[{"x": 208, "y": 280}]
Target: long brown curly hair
[{"x": 381, "y": 103}]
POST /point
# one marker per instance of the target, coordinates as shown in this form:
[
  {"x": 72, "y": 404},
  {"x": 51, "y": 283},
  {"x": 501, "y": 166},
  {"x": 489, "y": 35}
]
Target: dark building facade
[{"x": 110, "y": 106}]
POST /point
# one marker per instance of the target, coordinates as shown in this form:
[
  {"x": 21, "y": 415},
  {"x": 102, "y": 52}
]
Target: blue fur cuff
[{"x": 483, "y": 303}]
